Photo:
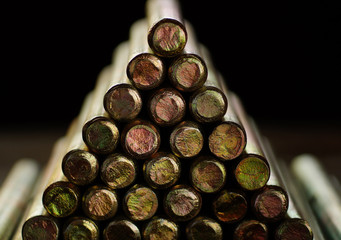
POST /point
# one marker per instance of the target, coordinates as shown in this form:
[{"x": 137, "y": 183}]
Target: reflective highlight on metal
[
  {"x": 204, "y": 228},
  {"x": 161, "y": 229},
  {"x": 207, "y": 174},
  {"x": 230, "y": 206},
  {"x": 118, "y": 171},
  {"x": 182, "y": 203},
  {"x": 162, "y": 170},
  {"x": 140, "y": 203}
]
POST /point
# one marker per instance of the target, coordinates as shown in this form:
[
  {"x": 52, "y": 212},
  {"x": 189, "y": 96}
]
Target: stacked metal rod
[{"x": 161, "y": 150}]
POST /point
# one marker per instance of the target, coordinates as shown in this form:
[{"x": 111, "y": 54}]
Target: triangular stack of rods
[{"x": 162, "y": 149}]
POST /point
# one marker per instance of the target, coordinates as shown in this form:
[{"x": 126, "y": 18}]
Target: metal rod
[
  {"x": 208, "y": 104},
  {"x": 15, "y": 193},
  {"x": 167, "y": 36},
  {"x": 161, "y": 228},
  {"x": 121, "y": 229},
  {"x": 81, "y": 228},
  {"x": 207, "y": 174},
  {"x": 145, "y": 69},
  {"x": 122, "y": 101},
  {"x": 166, "y": 107},
  {"x": 202, "y": 228},
  {"x": 140, "y": 139},
  {"x": 100, "y": 133},
  {"x": 162, "y": 170},
  {"x": 251, "y": 229},
  {"x": 188, "y": 71},
  {"x": 186, "y": 139}
]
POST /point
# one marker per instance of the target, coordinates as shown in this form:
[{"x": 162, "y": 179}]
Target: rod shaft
[
  {"x": 167, "y": 36},
  {"x": 15, "y": 193},
  {"x": 145, "y": 69}
]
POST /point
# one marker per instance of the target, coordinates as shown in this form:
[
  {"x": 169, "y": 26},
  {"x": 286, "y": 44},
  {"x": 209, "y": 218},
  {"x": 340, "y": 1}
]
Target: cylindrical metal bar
[
  {"x": 203, "y": 228},
  {"x": 99, "y": 203},
  {"x": 61, "y": 199},
  {"x": 182, "y": 203},
  {"x": 79, "y": 166},
  {"x": 186, "y": 139},
  {"x": 324, "y": 200},
  {"x": 121, "y": 230},
  {"x": 209, "y": 103},
  {"x": 188, "y": 71},
  {"x": 162, "y": 170},
  {"x": 166, "y": 107},
  {"x": 252, "y": 230},
  {"x": 81, "y": 228},
  {"x": 118, "y": 171},
  {"x": 36, "y": 224},
  {"x": 167, "y": 36},
  {"x": 253, "y": 171},
  {"x": 161, "y": 228},
  {"x": 140, "y": 139},
  {"x": 145, "y": 69},
  {"x": 270, "y": 204},
  {"x": 230, "y": 206},
  {"x": 122, "y": 101},
  {"x": 15, "y": 193},
  {"x": 228, "y": 139},
  {"x": 294, "y": 226},
  {"x": 140, "y": 203},
  {"x": 207, "y": 174},
  {"x": 99, "y": 132}
]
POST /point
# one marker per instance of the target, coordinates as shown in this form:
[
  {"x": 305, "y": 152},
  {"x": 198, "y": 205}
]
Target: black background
[{"x": 281, "y": 57}]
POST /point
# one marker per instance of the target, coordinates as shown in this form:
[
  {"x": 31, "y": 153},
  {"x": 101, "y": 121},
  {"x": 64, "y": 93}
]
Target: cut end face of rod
[
  {"x": 118, "y": 171},
  {"x": 294, "y": 228},
  {"x": 230, "y": 206},
  {"x": 208, "y": 104},
  {"x": 140, "y": 139},
  {"x": 207, "y": 175},
  {"x": 40, "y": 227},
  {"x": 123, "y": 102},
  {"x": 252, "y": 172},
  {"x": 186, "y": 140},
  {"x": 167, "y": 38},
  {"x": 146, "y": 71},
  {"x": 270, "y": 204},
  {"x": 203, "y": 228},
  {"x": 227, "y": 141},
  {"x": 188, "y": 72},
  {"x": 140, "y": 203},
  {"x": 162, "y": 171},
  {"x": 61, "y": 199},
  {"x": 101, "y": 135},
  {"x": 182, "y": 203},
  {"x": 161, "y": 229},
  {"x": 81, "y": 228},
  {"x": 251, "y": 230},
  {"x": 167, "y": 107},
  {"x": 80, "y": 167},
  {"x": 120, "y": 230},
  {"x": 100, "y": 203}
]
